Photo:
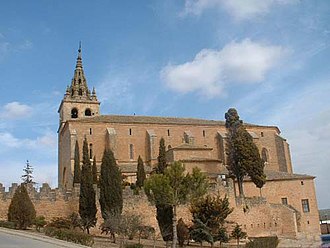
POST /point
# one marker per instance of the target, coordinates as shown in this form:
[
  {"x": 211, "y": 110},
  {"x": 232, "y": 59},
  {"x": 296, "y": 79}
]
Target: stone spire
[{"x": 79, "y": 89}]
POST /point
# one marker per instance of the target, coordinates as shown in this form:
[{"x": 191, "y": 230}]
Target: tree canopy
[
  {"x": 141, "y": 174},
  {"x": 243, "y": 154},
  {"x": 87, "y": 205},
  {"x": 21, "y": 209},
  {"x": 174, "y": 188},
  {"x": 111, "y": 199},
  {"x": 76, "y": 169},
  {"x": 27, "y": 177}
]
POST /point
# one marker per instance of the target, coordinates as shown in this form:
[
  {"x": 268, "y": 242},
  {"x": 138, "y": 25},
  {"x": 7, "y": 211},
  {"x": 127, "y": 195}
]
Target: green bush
[
  {"x": 61, "y": 223},
  {"x": 40, "y": 222},
  {"x": 70, "y": 235},
  {"x": 134, "y": 245},
  {"x": 263, "y": 242},
  {"x": 7, "y": 224}
]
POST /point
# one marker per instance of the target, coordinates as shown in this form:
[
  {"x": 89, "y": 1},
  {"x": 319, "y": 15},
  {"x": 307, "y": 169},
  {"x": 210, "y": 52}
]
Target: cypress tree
[
  {"x": 76, "y": 171},
  {"x": 87, "y": 206},
  {"x": 27, "y": 176},
  {"x": 164, "y": 212},
  {"x": 243, "y": 155},
  {"x": 21, "y": 209},
  {"x": 140, "y": 175},
  {"x": 161, "y": 165},
  {"x": 94, "y": 171},
  {"x": 111, "y": 196}
]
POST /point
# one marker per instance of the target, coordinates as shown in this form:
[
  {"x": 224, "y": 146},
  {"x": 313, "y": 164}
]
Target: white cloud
[
  {"x": 239, "y": 9},
  {"x": 211, "y": 70},
  {"x": 15, "y": 110},
  {"x": 47, "y": 141}
]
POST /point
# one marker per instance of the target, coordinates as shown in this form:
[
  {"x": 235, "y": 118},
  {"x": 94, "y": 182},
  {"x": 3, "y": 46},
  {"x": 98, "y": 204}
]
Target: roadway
[{"x": 23, "y": 239}]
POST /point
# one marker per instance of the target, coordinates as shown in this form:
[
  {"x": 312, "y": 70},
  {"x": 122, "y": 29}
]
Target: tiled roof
[
  {"x": 186, "y": 146},
  {"x": 278, "y": 175},
  {"x": 150, "y": 119},
  {"x": 324, "y": 214}
]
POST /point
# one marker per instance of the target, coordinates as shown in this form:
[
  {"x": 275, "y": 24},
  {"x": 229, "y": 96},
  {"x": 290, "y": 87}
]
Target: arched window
[
  {"x": 79, "y": 79},
  {"x": 264, "y": 155},
  {"x": 169, "y": 147},
  {"x": 88, "y": 112},
  {"x": 80, "y": 92},
  {"x": 74, "y": 113}
]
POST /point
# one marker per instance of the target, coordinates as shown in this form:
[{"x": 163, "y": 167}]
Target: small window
[
  {"x": 168, "y": 132},
  {"x": 90, "y": 131},
  {"x": 74, "y": 113},
  {"x": 264, "y": 155},
  {"x": 302, "y": 182},
  {"x": 284, "y": 201},
  {"x": 203, "y": 133},
  {"x": 262, "y": 134},
  {"x": 80, "y": 92},
  {"x": 305, "y": 205},
  {"x": 88, "y": 112},
  {"x": 91, "y": 151},
  {"x": 79, "y": 80},
  {"x": 169, "y": 147},
  {"x": 130, "y": 131},
  {"x": 308, "y": 222},
  {"x": 131, "y": 151}
]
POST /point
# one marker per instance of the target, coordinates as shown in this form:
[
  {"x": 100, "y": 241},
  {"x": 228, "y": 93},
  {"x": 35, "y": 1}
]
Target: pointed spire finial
[{"x": 79, "y": 50}]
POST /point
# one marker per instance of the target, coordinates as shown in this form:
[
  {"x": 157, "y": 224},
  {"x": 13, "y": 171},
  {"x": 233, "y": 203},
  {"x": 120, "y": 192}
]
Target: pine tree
[
  {"x": 21, "y": 209},
  {"x": 243, "y": 155},
  {"x": 27, "y": 176},
  {"x": 212, "y": 211},
  {"x": 94, "y": 171},
  {"x": 175, "y": 188},
  {"x": 140, "y": 175},
  {"x": 111, "y": 196},
  {"x": 238, "y": 234},
  {"x": 77, "y": 171},
  {"x": 87, "y": 206}
]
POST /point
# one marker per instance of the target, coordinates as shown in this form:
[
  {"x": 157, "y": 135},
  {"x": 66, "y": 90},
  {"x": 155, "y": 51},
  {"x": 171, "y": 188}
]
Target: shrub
[
  {"x": 135, "y": 245},
  {"x": 61, "y": 223},
  {"x": 40, "y": 222},
  {"x": 70, "y": 235},
  {"x": 7, "y": 224},
  {"x": 263, "y": 242}
]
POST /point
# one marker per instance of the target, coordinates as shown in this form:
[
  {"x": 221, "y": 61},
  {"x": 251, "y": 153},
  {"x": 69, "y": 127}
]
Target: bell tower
[{"x": 79, "y": 101}]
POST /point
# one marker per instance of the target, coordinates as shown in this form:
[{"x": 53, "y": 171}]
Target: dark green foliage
[
  {"x": 69, "y": 235},
  {"x": 76, "y": 170},
  {"x": 238, "y": 234},
  {"x": 243, "y": 155},
  {"x": 221, "y": 236},
  {"x": 175, "y": 188},
  {"x": 60, "y": 222},
  {"x": 200, "y": 232},
  {"x": 164, "y": 216},
  {"x": 161, "y": 165},
  {"x": 212, "y": 211},
  {"x": 21, "y": 209},
  {"x": 183, "y": 232},
  {"x": 164, "y": 212},
  {"x": 27, "y": 176},
  {"x": 87, "y": 206},
  {"x": 94, "y": 171},
  {"x": 40, "y": 222},
  {"x": 7, "y": 224},
  {"x": 140, "y": 175},
  {"x": 263, "y": 242},
  {"x": 111, "y": 192},
  {"x": 135, "y": 245}
]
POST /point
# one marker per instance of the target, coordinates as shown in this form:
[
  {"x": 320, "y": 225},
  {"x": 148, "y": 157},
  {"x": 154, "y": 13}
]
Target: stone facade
[{"x": 287, "y": 208}]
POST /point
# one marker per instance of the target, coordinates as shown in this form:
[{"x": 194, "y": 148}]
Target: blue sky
[{"x": 193, "y": 58}]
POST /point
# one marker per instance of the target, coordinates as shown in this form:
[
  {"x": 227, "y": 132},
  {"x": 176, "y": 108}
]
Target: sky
[{"x": 191, "y": 58}]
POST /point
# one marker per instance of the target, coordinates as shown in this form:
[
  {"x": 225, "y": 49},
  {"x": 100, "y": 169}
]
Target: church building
[{"x": 195, "y": 142}]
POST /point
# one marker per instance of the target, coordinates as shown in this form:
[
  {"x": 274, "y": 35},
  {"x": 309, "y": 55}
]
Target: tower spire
[{"x": 79, "y": 58}]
